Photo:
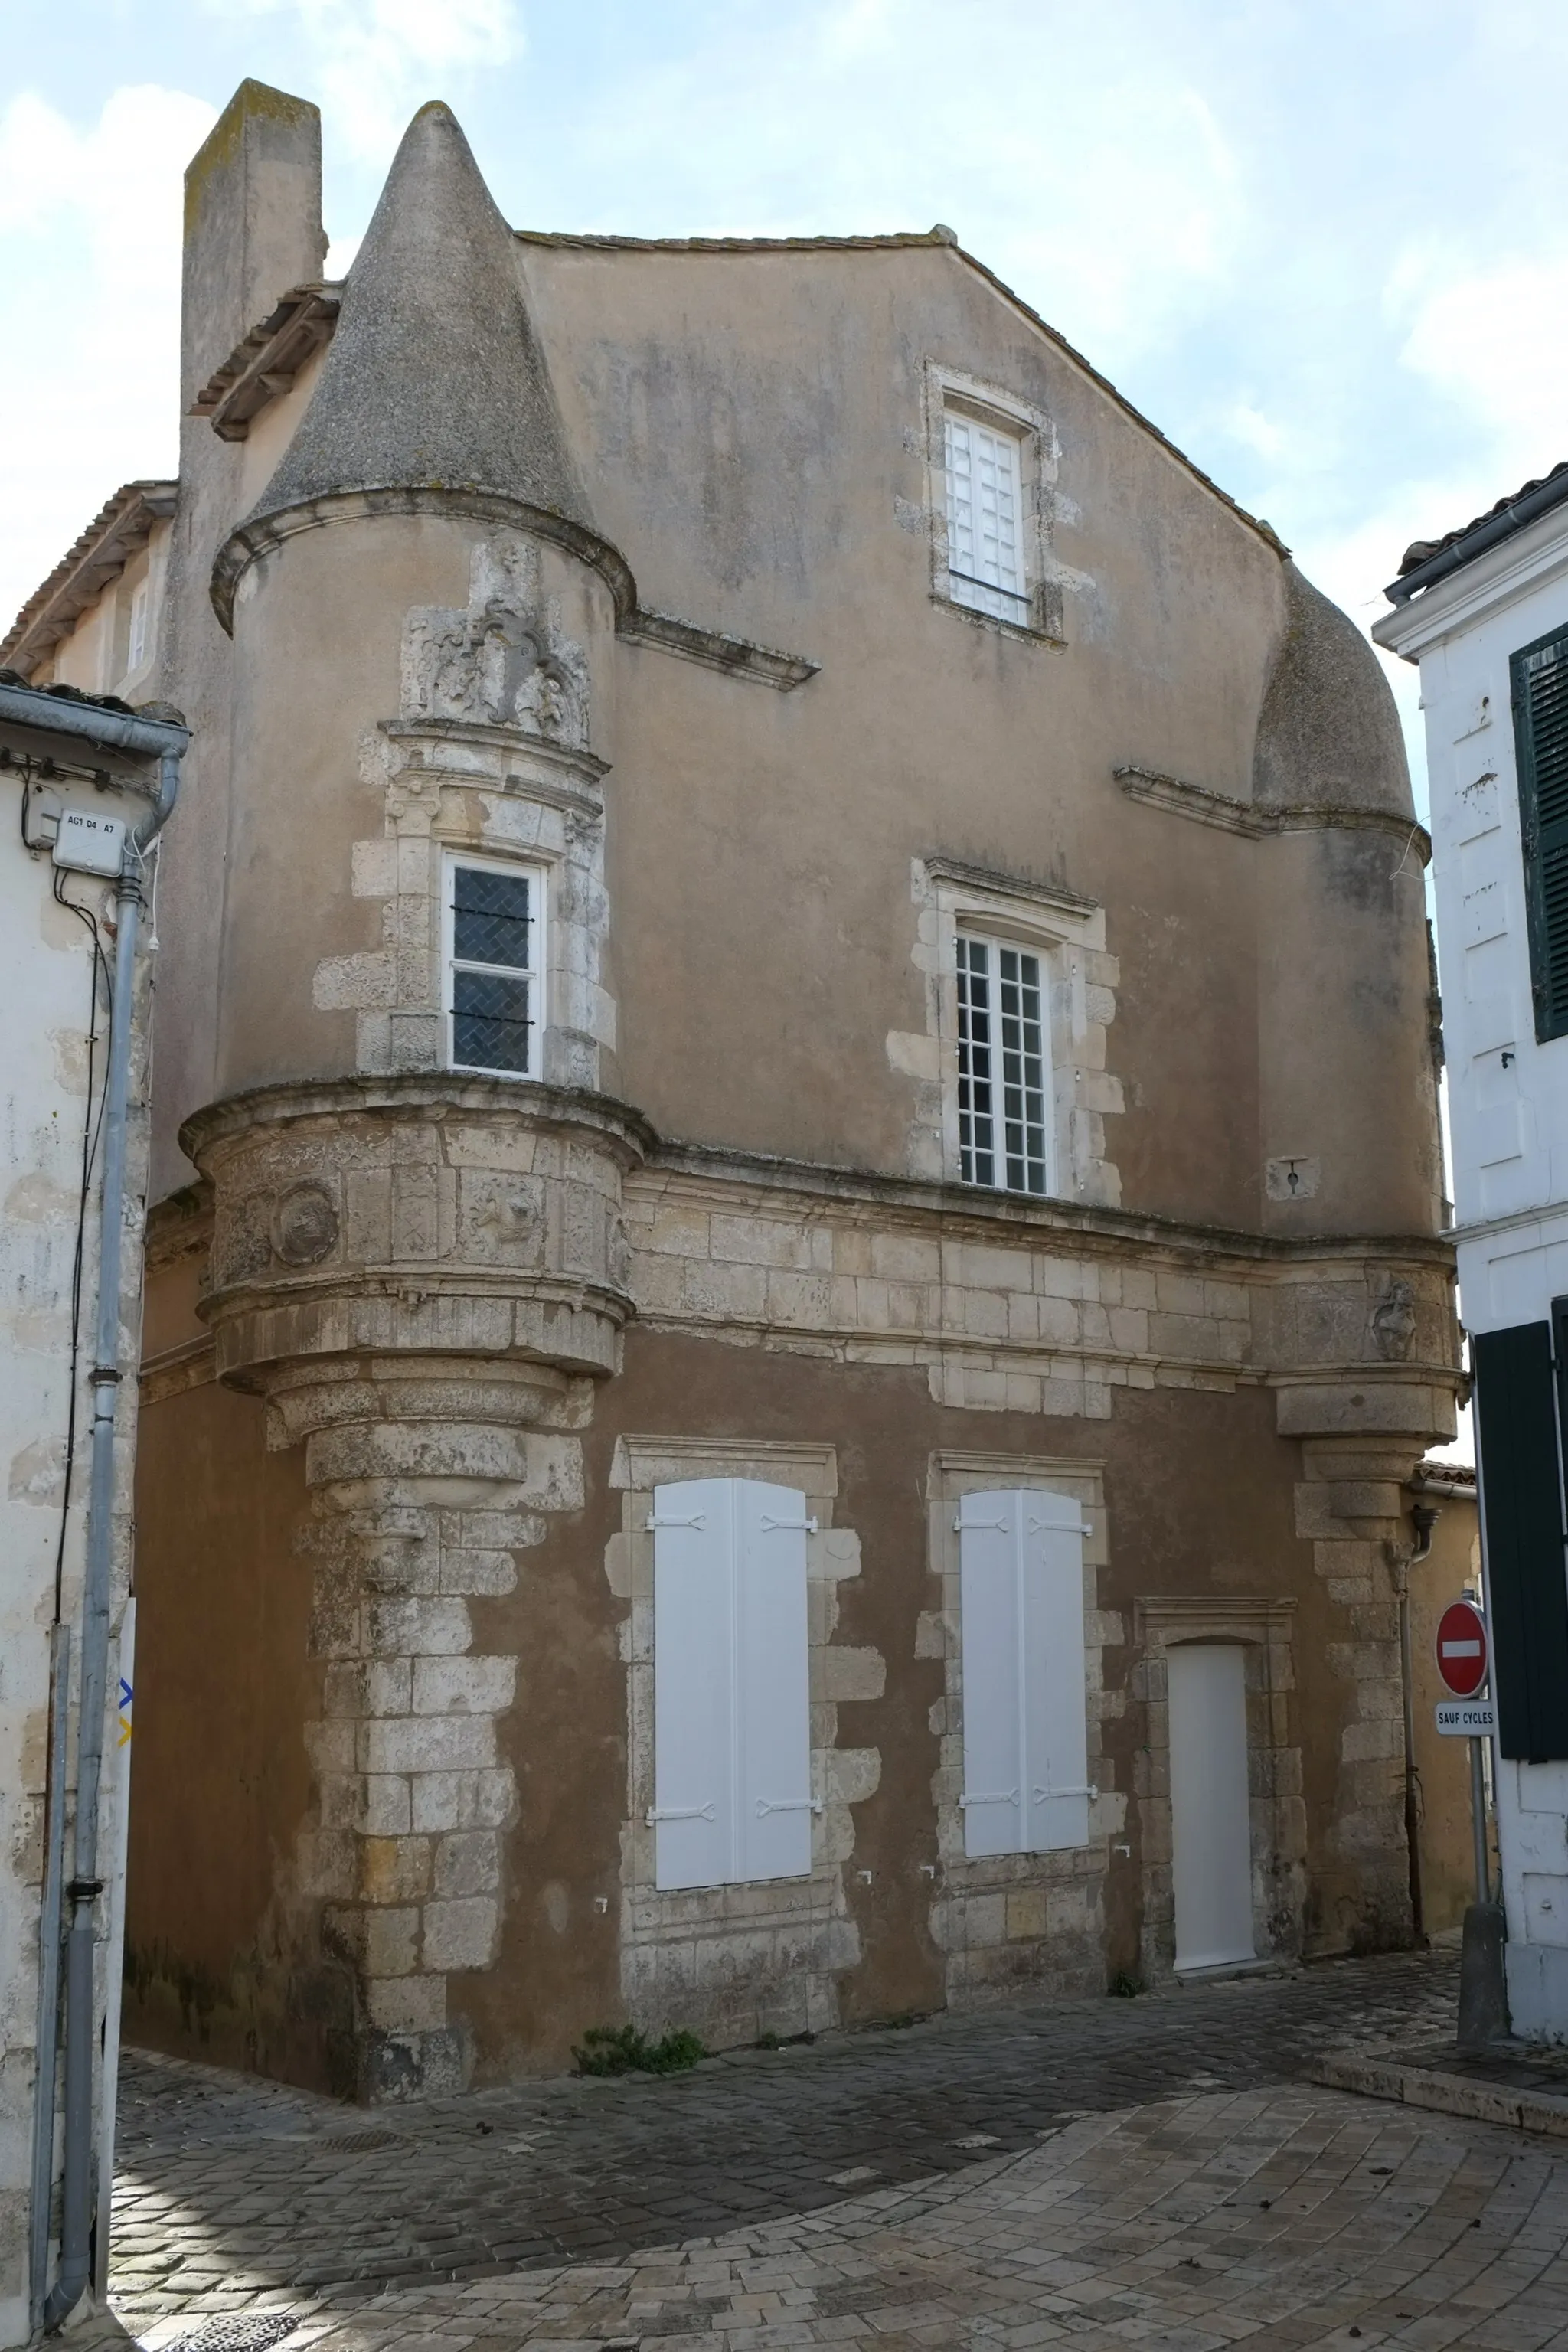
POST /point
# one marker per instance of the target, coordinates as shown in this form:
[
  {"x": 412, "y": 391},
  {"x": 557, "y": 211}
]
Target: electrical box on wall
[{"x": 89, "y": 843}]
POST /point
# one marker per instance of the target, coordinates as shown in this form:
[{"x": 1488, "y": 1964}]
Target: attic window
[
  {"x": 983, "y": 465},
  {"x": 993, "y": 470},
  {"x": 136, "y": 651}
]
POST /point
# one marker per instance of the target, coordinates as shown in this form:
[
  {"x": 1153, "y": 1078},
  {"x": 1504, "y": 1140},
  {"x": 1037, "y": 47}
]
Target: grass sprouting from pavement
[{"x": 622, "y": 2050}]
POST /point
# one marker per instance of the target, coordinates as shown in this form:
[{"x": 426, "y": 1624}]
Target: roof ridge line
[{"x": 893, "y": 240}]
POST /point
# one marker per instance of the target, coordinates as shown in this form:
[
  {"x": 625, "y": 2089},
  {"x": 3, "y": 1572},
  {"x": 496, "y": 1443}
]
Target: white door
[{"x": 1211, "y": 1833}]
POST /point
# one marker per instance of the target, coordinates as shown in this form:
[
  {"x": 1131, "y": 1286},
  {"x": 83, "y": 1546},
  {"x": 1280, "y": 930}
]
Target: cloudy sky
[{"x": 1323, "y": 243}]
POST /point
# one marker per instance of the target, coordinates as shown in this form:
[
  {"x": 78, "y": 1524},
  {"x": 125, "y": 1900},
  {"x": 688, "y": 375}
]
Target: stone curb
[{"x": 1449, "y": 2095}]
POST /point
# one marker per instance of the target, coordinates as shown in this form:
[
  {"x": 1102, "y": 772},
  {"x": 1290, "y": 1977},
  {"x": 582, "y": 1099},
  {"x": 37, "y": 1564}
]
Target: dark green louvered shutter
[
  {"x": 1539, "y": 679},
  {"x": 1521, "y": 1526}
]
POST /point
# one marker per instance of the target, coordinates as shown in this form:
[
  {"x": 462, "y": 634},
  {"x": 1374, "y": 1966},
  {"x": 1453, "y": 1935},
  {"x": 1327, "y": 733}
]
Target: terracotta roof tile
[{"x": 1422, "y": 550}]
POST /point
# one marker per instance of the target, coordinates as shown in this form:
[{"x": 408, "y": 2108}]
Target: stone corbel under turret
[{"x": 442, "y": 1216}]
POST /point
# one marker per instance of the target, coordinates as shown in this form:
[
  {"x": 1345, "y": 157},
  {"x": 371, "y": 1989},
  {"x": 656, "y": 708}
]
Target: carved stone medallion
[{"x": 304, "y": 1225}]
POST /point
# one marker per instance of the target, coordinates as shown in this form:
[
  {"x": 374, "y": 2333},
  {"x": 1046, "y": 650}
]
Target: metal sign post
[
  {"x": 1478, "y": 1823},
  {"x": 1464, "y": 1662}
]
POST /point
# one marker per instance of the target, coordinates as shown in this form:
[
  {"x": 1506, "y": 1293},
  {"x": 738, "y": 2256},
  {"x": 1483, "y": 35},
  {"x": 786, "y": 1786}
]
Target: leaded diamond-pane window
[
  {"x": 492, "y": 915},
  {"x": 495, "y": 968},
  {"x": 1002, "y": 1069}
]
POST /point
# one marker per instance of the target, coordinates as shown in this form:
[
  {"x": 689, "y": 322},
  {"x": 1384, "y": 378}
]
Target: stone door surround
[{"x": 1277, "y": 1813}]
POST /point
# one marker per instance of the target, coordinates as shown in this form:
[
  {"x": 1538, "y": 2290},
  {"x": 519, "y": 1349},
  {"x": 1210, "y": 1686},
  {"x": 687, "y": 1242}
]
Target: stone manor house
[{"x": 795, "y": 1270}]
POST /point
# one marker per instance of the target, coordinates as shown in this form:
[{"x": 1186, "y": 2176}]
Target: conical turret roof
[{"x": 434, "y": 377}]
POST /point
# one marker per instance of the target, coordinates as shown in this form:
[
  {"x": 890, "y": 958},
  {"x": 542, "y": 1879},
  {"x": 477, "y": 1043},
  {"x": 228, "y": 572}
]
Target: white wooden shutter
[
  {"x": 1056, "y": 1729},
  {"x": 1026, "y": 1746},
  {"x": 693, "y": 1682},
  {"x": 732, "y": 1796},
  {"x": 993, "y": 1720},
  {"x": 774, "y": 1813}
]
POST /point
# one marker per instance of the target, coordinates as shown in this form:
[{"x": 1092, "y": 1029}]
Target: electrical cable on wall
[{"x": 92, "y": 1129}]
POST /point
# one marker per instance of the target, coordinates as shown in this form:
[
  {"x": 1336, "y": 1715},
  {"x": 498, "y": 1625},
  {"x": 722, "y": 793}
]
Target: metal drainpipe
[
  {"x": 47, "y": 2041},
  {"x": 1425, "y": 1519},
  {"x": 76, "y": 2229}
]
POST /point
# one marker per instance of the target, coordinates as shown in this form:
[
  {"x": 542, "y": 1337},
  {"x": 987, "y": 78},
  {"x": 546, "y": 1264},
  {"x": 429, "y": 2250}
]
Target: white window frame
[
  {"x": 137, "y": 637},
  {"x": 988, "y": 440},
  {"x": 1003, "y": 1159},
  {"x": 1067, "y": 932},
  {"x": 537, "y": 973},
  {"x": 1033, "y": 608}
]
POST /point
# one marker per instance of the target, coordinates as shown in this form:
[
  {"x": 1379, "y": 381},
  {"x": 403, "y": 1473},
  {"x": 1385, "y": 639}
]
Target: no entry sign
[{"x": 1462, "y": 1648}]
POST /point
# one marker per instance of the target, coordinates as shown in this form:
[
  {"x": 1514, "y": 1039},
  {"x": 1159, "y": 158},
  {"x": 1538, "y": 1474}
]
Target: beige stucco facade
[{"x": 657, "y": 598}]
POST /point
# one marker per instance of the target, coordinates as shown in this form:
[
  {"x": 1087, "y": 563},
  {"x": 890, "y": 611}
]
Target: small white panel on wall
[
  {"x": 1025, "y": 1742},
  {"x": 87, "y": 843},
  {"x": 1476, "y": 812},
  {"x": 1545, "y": 1907},
  {"x": 1484, "y": 911}
]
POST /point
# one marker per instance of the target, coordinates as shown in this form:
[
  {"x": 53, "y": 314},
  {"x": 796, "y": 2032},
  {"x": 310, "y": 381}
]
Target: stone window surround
[
  {"x": 672, "y": 1939},
  {"x": 1277, "y": 1816},
  {"x": 1067, "y": 932},
  {"x": 986, "y": 990},
  {"x": 999, "y": 1919},
  {"x": 455, "y": 791},
  {"x": 1003, "y": 411}
]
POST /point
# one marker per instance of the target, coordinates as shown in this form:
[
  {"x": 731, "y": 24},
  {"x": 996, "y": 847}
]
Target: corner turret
[
  {"x": 1329, "y": 734},
  {"x": 1348, "y": 1101},
  {"x": 435, "y": 381}
]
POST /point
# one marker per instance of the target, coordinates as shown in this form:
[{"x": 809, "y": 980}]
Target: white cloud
[
  {"x": 1253, "y": 429},
  {"x": 89, "y": 394},
  {"x": 373, "y": 59},
  {"x": 1083, "y": 165},
  {"x": 1496, "y": 342}
]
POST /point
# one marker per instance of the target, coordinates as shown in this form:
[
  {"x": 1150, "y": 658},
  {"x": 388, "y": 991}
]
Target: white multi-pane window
[
  {"x": 732, "y": 1703},
  {"x": 136, "y": 650},
  {"x": 985, "y": 562},
  {"x": 1004, "y": 1069},
  {"x": 495, "y": 967},
  {"x": 1026, "y": 1712}
]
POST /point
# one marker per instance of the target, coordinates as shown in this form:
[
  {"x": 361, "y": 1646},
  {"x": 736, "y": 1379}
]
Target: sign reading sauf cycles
[
  {"x": 1467, "y": 1718},
  {"x": 1464, "y": 1662}
]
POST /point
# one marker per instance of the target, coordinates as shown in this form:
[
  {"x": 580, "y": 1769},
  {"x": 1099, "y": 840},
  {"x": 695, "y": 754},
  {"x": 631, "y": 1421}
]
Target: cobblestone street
[
  {"x": 1116, "y": 2171},
  {"x": 1288, "y": 2216}
]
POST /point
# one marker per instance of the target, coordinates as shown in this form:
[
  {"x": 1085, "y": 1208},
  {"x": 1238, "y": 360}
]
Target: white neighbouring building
[
  {"x": 85, "y": 784},
  {"x": 1484, "y": 612}
]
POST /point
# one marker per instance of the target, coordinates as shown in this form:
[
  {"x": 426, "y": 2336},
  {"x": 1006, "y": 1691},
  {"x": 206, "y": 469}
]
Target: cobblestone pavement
[
  {"x": 235, "y": 2196},
  {"x": 1283, "y": 2218}
]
